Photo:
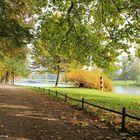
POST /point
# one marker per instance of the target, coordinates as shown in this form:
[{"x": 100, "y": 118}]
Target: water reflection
[
  {"x": 127, "y": 90},
  {"x": 42, "y": 84}
]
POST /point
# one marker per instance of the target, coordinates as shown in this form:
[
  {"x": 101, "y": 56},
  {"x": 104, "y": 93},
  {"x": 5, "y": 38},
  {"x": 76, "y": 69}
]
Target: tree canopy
[
  {"x": 15, "y": 34},
  {"x": 96, "y": 31},
  {"x": 14, "y": 27},
  {"x": 85, "y": 31}
]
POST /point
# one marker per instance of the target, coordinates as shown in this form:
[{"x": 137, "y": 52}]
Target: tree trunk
[
  {"x": 2, "y": 78},
  {"x": 7, "y": 74},
  {"x": 125, "y": 78},
  {"x": 13, "y": 79},
  {"x": 57, "y": 78}
]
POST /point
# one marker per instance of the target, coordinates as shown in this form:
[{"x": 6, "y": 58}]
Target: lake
[
  {"x": 42, "y": 84},
  {"x": 127, "y": 90},
  {"x": 117, "y": 89}
]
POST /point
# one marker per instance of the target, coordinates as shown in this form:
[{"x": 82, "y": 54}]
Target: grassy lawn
[
  {"x": 122, "y": 83},
  {"x": 105, "y": 99}
]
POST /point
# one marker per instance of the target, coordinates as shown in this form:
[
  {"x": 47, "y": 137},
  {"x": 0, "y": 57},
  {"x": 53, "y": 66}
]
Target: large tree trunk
[
  {"x": 7, "y": 74},
  {"x": 57, "y": 78}
]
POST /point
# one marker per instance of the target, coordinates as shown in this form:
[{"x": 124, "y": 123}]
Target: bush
[{"x": 89, "y": 79}]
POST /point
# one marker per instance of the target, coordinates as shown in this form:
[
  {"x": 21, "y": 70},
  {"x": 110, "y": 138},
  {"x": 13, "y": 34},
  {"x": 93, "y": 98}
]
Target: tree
[
  {"x": 49, "y": 58},
  {"x": 124, "y": 74},
  {"x": 96, "y": 31},
  {"x": 14, "y": 27},
  {"x": 14, "y": 66},
  {"x": 16, "y": 22},
  {"x": 89, "y": 32},
  {"x": 128, "y": 68},
  {"x": 138, "y": 72}
]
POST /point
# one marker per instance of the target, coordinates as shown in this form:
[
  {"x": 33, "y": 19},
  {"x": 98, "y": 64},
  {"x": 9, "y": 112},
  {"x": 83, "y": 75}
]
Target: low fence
[{"x": 83, "y": 102}]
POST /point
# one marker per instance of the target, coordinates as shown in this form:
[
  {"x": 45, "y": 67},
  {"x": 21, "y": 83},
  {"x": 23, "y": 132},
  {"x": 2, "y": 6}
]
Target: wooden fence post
[
  {"x": 123, "y": 119},
  {"x": 65, "y": 97},
  {"x": 82, "y": 103},
  {"x": 101, "y": 83}
]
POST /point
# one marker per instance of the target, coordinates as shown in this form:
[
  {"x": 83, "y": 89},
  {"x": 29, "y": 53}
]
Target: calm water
[
  {"x": 117, "y": 89},
  {"x": 127, "y": 90},
  {"x": 39, "y": 84}
]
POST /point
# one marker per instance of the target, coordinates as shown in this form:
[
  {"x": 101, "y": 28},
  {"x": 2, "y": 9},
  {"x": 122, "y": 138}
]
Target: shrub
[{"x": 89, "y": 79}]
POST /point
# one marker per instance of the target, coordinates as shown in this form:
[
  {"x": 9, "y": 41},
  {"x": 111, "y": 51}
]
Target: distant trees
[
  {"x": 128, "y": 69},
  {"x": 125, "y": 69},
  {"x": 138, "y": 72}
]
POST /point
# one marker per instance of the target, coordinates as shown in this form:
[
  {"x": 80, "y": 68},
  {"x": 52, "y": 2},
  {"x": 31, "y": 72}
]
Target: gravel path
[{"x": 25, "y": 115}]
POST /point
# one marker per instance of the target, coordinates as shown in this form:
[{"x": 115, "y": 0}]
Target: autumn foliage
[{"x": 89, "y": 79}]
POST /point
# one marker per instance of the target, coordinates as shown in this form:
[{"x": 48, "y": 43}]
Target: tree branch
[{"x": 71, "y": 7}]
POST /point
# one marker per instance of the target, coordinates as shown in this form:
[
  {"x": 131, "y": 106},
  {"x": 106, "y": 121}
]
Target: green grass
[
  {"x": 105, "y": 99},
  {"x": 123, "y": 83}
]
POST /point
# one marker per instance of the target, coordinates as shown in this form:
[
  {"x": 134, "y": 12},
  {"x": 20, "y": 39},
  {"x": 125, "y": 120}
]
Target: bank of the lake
[
  {"x": 123, "y": 83},
  {"x": 105, "y": 99}
]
